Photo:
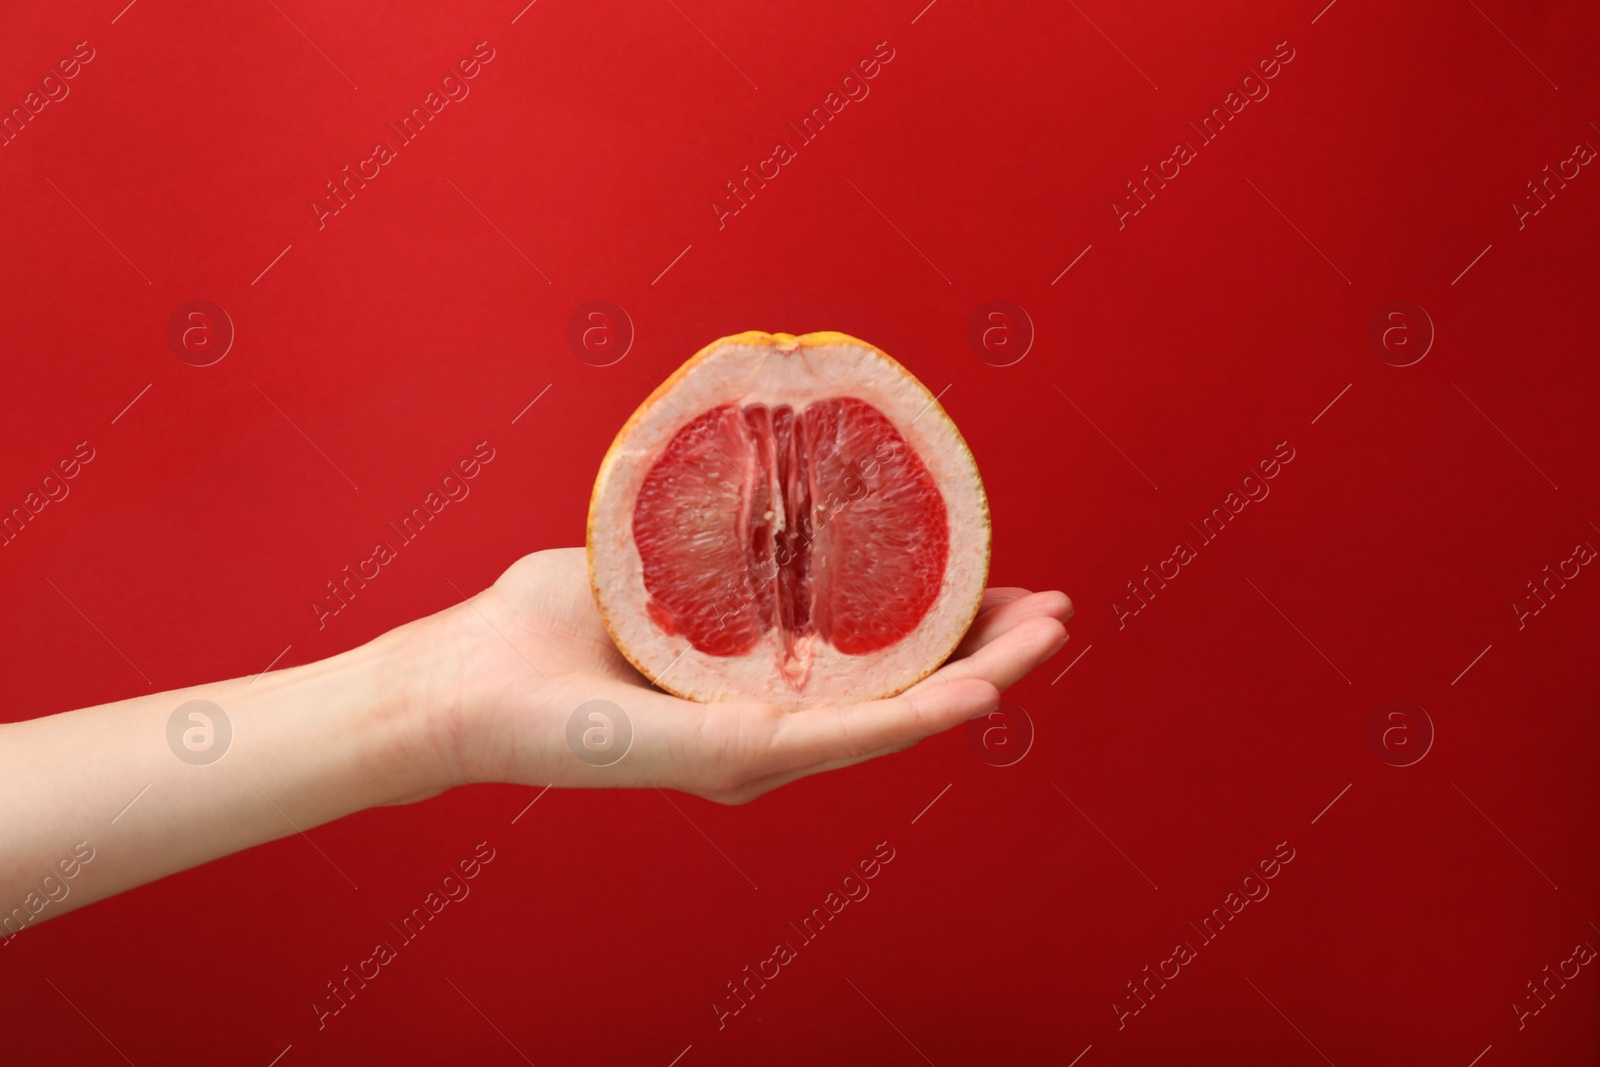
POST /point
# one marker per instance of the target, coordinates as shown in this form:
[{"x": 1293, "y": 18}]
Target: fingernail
[
  {"x": 988, "y": 709},
  {"x": 1059, "y": 646}
]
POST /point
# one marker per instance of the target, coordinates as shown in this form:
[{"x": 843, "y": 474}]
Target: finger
[
  {"x": 997, "y": 595},
  {"x": 755, "y": 788},
  {"x": 821, "y": 739},
  {"x": 1004, "y": 661},
  {"x": 807, "y": 740},
  {"x": 1007, "y": 616}
]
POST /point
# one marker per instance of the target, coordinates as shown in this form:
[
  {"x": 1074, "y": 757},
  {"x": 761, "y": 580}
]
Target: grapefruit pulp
[{"x": 788, "y": 519}]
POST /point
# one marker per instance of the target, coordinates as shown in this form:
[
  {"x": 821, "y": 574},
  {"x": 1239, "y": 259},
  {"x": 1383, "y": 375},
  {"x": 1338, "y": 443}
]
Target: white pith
[{"x": 774, "y": 372}]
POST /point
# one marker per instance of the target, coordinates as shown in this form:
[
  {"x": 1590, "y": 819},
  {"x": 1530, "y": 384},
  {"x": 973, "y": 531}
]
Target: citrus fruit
[{"x": 788, "y": 519}]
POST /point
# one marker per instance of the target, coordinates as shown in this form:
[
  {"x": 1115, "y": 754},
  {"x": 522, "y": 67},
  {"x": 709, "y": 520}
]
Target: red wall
[{"x": 1190, "y": 340}]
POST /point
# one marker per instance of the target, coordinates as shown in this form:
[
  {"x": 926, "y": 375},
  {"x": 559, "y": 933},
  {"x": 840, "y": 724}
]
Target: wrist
[{"x": 406, "y": 713}]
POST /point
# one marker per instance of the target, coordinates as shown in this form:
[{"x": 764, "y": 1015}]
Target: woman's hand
[
  {"x": 480, "y": 692},
  {"x": 513, "y": 664}
]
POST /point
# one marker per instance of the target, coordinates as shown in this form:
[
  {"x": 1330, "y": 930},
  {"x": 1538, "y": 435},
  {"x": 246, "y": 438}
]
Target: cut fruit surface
[{"x": 788, "y": 519}]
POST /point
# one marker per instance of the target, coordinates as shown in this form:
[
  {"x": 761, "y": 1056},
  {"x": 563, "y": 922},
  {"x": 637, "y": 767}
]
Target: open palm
[{"x": 524, "y": 655}]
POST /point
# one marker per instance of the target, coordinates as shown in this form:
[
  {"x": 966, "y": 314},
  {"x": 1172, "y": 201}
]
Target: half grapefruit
[{"x": 793, "y": 520}]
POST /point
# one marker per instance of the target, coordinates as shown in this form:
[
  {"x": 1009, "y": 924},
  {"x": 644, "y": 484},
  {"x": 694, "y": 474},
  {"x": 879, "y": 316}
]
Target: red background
[{"x": 1196, "y": 737}]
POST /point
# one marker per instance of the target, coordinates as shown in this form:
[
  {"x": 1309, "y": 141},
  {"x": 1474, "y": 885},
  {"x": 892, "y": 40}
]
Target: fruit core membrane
[{"x": 821, "y": 523}]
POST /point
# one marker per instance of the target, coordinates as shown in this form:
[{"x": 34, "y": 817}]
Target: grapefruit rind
[{"x": 759, "y": 367}]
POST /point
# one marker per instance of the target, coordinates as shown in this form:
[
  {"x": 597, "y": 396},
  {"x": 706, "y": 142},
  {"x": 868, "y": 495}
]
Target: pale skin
[{"x": 480, "y": 692}]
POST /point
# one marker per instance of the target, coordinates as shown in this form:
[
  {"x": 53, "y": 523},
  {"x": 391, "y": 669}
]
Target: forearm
[{"x": 308, "y": 745}]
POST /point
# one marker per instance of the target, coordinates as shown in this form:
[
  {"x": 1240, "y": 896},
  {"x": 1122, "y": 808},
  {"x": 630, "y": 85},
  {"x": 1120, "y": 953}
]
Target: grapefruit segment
[
  {"x": 788, "y": 519},
  {"x": 887, "y": 530},
  {"x": 688, "y": 525}
]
